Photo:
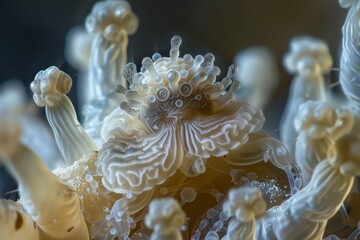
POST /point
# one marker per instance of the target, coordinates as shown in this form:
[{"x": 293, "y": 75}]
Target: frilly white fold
[
  {"x": 138, "y": 165},
  {"x": 174, "y": 113}
]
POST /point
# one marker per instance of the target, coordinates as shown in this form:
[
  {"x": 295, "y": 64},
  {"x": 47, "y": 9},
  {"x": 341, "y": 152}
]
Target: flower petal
[
  {"x": 137, "y": 165},
  {"x": 221, "y": 132}
]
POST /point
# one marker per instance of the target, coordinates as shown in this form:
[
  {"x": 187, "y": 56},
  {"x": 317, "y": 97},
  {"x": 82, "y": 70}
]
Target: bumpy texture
[
  {"x": 318, "y": 125},
  {"x": 166, "y": 217},
  {"x": 314, "y": 117},
  {"x": 307, "y": 52},
  {"x": 243, "y": 206},
  {"x": 309, "y": 58},
  {"x": 305, "y": 215},
  {"x": 109, "y": 23},
  {"x": 50, "y": 87},
  {"x": 174, "y": 112},
  {"x": 108, "y": 16}
]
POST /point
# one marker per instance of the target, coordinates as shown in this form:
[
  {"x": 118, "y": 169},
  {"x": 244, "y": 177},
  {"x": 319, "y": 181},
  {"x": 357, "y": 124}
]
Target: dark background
[{"x": 32, "y": 32}]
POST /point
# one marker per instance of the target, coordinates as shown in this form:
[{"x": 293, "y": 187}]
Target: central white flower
[{"x": 175, "y": 113}]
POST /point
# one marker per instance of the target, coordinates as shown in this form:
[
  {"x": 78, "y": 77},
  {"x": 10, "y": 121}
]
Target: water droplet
[
  {"x": 183, "y": 228},
  {"x": 113, "y": 231},
  {"x": 88, "y": 177},
  {"x": 152, "y": 98},
  {"x": 281, "y": 151},
  {"x": 130, "y": 220},
  {"x": 179, "y": 103},
  {"x": 129, "y": 195},
  {"x": 94, "y": 184}
]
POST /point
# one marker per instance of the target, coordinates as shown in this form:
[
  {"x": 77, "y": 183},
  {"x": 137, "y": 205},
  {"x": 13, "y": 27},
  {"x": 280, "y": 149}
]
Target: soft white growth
[
  {"x": 136, "y": 165},
  {"x": 119, "y": 220},
  {"x": 35, "y": 131},
  {"x": 109, "y": 23},
  {"x": 52, "y": 205},
  {"x": 213, "y": 232},
  {"x": 77, "y": 52},
  {"x": 173, "y": 114},
  {"x": 96, "y": 201},
  {"x": 243, "y": 206},
  {"x": 349, "y": 62},
  {"x": 258, "y": 75},
  {"x": 50, "y": 88},
  {"x": 260, "y": 148},
  {"x": 193, "y": 166},
  {"x": 12, "y": 97},
  {"x": 78, "y": 49},
  {"x": 165, "y": 217},
  {"x": 10, "y": 133},
  {"x": 315, "y": 117},
  {"x": 350, "y": 58},
  {"x": 309, "y": 59},
  {"x": 174, "y": 130},
  {"x": 304, "y": 215},
  {"x": 212, "y": 224},
  {"x": 116, "y": 224},
  {"x": 318, "y": 125},
  {"x": 347, "y": 3},
  {"x": 198, "y": 167},
  {"x": 81, "y": 177},
  {"x": 118, "y": 118}
]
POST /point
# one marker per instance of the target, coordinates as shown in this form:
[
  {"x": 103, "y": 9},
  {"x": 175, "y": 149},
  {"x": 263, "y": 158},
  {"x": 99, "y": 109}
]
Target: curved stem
[
  {"x": 71, "y": 138},
  {"x": 265, "y": 149},
  {"x": 105, "y": 73},
  {"x": 302, "y": 89},
  {"x": 53, "y": 205},
  {"x": 350, "y": 57}
]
